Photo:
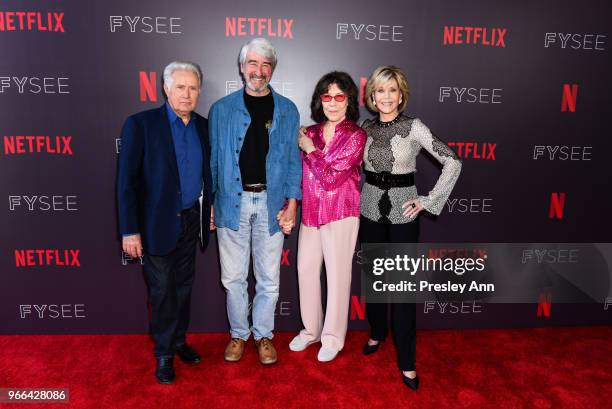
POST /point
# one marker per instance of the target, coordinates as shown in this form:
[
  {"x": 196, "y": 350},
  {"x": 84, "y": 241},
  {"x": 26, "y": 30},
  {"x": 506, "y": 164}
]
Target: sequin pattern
[
  {"x": 330, "y": 176},
  {"x": 394, "y": 149}
]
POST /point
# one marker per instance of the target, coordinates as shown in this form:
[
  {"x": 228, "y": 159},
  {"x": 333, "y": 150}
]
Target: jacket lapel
[
  {"x": 276, "y": 114},
  {"x": 318, "y": 139},
  {"x": 165, "y": 134}
]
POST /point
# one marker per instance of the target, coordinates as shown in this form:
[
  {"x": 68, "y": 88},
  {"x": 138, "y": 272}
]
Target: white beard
[{"x": 253, "y": 88}]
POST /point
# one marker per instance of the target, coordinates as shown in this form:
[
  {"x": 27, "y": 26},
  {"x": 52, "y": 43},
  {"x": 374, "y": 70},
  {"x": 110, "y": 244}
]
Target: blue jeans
[{"x": 234, "y": 255}]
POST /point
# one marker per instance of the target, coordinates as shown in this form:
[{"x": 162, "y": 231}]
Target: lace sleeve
[{"x": 451, "y": 167}]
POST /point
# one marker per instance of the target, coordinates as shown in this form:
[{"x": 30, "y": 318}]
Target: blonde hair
[{"x": 382, "y": 75}]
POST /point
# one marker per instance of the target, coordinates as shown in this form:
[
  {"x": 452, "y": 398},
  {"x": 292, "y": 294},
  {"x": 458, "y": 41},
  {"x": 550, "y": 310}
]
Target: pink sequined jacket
[{"x": 330, "y": 177}]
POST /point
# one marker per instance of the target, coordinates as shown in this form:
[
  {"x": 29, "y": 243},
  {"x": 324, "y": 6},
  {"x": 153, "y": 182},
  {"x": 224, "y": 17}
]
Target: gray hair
[
  {"x": 260, "y": 46},
  {"x": 181, "y": 66}
]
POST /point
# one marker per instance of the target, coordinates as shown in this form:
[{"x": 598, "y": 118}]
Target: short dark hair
[{"x": 346, "y": 85}]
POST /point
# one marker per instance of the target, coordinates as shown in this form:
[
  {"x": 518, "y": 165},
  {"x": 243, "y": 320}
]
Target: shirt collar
[{"x": 172, "y": 116}]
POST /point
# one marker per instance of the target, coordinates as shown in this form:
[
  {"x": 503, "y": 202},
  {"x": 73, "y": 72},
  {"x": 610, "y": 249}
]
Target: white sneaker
[
  {"x": 327, "y": 354},
  {"x": 298, "y": 344}
]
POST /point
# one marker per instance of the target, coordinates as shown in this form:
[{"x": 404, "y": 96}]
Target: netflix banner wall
[{"x": 520, "y": 90}]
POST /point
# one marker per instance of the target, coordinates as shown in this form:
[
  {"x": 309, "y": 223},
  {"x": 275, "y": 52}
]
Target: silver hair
[
  {"x": 260, "y": 46},
  {"x": 181, "y": 66}
]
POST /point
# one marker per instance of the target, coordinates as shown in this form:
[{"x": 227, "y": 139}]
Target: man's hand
[
  {"x": 132, "y": 245},
  {"x": 286, "y": 217},
  {"x": 212, "y": 219}
]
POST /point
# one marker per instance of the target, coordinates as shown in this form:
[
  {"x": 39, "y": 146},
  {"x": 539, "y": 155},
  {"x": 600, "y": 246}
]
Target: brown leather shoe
[
  {"x": 234, "y": 350},
  {"x": 267, "y": 353}
]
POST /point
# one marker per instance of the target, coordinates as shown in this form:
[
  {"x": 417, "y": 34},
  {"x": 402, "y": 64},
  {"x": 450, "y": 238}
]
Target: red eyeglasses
[{"x": 337, "y": 97}]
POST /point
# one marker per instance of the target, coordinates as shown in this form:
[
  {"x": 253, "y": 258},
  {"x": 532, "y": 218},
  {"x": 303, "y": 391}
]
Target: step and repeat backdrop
[{"x": 520, "y": 90}]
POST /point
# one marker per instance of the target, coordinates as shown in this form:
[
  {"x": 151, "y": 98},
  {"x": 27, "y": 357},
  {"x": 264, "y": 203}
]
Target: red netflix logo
[
  {"x": 21, "y": 144},
  {"x": 544, "y": 305},
  {"x": 474, "y": 150},
  {"x": 148, "y": 86},
  {"x": 362, "y": 87},
  {"x": 357, "y": 308},
  {"x": 31, "y": 21},
  {"x": 568, "y": 97},
  {"x": 441, "y": 253},
  {"x": 493, "y": 37},
  {"x": 259, "y": 26},
  {"x": 557, "y": 205},
  {"x": 285, "y": 258},
  {"x": 47, "y": 257}
]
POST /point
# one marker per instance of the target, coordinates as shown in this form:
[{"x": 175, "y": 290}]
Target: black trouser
[
  {"x": 170, "y": 280},
  {"x": 403, "y": 316}
]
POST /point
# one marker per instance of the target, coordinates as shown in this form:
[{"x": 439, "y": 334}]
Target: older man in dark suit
[{"x": 163, "y": 189}]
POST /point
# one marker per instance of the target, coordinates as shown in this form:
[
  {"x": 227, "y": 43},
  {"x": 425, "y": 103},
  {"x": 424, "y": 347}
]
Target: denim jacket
[{"x": 228, "y": 123}]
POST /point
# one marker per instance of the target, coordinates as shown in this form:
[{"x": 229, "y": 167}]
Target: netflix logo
[
  {"x": 474, "y": 150},
  {"x": 148, "y": 86},
  {"x": 436, "y": 253},
  {"x": 357, "y": 308},
  {"x": 556, "y": 210},
  {"x": 35, "y": 85},
  {"x": 544, "y": 305},
  {"x": 492, "y": 37},
  {"x": 47, "y": 257},
  {"x": 26, "y": 144},
  {"x": 285, "y": 258},
  {"x": 32, "y": 21},
  {"x": 569, "y": 95},
  {"x": 259, "y": 26},
  {"x": 147, "y": 25},
  {"x": 363, "y": 81}
]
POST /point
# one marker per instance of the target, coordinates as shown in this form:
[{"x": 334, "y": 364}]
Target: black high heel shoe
[
  {"x": 412, "y": 383},
  {"x": 370, "y": 349}
]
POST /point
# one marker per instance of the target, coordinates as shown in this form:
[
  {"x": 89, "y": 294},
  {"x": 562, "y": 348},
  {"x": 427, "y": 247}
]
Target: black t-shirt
[{"x": 255, "y": 147}]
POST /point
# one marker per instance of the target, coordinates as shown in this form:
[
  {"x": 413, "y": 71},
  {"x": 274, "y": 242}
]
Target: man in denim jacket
[{"x": 256, "y": 175}]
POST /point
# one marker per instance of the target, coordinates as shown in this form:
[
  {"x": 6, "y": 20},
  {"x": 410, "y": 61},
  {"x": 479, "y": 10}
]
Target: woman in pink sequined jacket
[{"x": 332, "y": 153}]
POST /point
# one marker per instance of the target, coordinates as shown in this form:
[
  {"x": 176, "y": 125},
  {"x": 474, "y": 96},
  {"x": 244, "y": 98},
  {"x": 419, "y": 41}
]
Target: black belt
[
  {"x": 260, "y": 187},
  {"x": 386, "y": 180}
]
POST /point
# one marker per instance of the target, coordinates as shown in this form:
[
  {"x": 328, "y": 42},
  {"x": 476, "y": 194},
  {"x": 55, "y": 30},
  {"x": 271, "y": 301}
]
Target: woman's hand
[
  {"x": 304, "y": 142},
  {"x": 286, "y": 216},
  {"x": 285, "y": 221},
  {"x": 212, "y": 219},
  {"x": 412, "y": 208}
]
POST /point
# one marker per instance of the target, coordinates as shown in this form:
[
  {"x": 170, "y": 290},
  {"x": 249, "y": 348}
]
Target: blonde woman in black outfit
[{"x": 390, "y": 203}]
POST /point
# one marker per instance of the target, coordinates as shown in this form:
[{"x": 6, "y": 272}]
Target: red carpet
[{"x": 541, "y": 368}]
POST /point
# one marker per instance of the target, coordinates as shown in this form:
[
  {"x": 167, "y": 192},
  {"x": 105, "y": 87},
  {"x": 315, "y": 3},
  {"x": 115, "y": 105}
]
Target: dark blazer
[{"x": 148, "y": 184}]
